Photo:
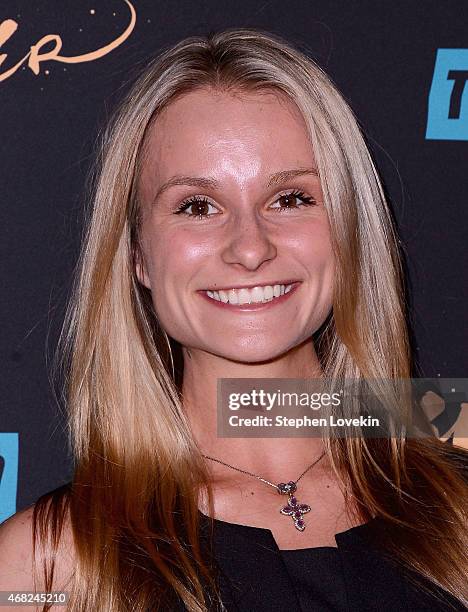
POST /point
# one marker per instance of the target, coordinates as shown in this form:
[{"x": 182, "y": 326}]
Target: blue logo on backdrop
[
  {"x": 8, "y": 474},
  {"x": 447, "y": 118}
]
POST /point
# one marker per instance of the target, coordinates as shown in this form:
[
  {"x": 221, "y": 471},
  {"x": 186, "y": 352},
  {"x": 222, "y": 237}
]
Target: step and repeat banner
[{"x": 402, "y": 66}]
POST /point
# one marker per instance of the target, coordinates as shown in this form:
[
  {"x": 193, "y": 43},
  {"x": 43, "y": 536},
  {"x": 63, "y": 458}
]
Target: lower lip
[{"x": 252, "y": 307}]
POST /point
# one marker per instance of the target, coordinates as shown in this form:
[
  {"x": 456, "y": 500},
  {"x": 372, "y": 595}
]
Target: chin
[{"x": 250, "y": 352}]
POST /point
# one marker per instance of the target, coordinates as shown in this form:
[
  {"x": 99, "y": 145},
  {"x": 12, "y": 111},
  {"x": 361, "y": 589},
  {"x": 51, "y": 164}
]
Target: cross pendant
[{"x": 293, "y": 509}]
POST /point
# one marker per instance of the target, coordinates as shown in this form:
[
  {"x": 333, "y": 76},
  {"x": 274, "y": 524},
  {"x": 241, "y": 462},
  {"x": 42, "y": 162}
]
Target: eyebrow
[{"x": 209, "y": 183}]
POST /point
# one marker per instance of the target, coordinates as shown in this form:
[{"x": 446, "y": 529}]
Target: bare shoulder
[
  {"x": 21, "y": 570},
  {"x": 16, "y": 552}
]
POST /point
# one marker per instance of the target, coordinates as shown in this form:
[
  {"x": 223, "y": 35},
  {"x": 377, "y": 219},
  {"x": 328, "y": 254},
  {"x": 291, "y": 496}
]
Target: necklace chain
[{"x": 259, "y": 477}]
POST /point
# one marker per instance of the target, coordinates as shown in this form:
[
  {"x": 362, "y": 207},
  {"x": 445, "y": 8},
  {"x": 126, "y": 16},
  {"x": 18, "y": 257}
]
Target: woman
[{"x": 235, "y": 175}]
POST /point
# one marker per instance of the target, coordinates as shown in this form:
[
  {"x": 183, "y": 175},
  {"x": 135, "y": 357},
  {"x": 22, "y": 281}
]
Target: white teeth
[
  {"x": 268, "y": 293},
  {"x": 256, "y": 295},
  {"x": 244, "y": 296},
  {"x": 224, "y": 296}
]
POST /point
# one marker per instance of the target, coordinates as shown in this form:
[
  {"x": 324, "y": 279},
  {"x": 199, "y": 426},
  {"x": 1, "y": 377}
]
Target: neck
[{"x": 272, "y": 458}]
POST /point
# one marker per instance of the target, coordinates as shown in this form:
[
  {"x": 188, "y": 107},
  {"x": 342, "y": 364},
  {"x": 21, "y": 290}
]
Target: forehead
[{"x": 206, "y": 129}]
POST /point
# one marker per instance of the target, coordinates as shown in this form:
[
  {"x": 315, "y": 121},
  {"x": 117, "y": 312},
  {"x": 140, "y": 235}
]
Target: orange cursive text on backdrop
[{"x": 34, "y": 58}]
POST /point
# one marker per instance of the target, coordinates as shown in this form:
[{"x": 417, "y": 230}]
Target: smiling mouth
[{"x": 245, "y": 296}]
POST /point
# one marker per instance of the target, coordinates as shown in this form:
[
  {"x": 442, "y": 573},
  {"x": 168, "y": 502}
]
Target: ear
[{"x": 140, "y": 268}]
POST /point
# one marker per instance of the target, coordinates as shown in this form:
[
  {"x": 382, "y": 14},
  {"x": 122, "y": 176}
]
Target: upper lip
[{"x": 252, "y": 285}]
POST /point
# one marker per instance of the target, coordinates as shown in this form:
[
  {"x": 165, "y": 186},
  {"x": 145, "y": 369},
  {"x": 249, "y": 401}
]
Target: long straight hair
[{"x": 132, "y": 507}]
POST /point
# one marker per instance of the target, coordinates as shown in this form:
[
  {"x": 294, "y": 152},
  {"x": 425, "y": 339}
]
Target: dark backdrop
[{"x": 402, "y": 67}]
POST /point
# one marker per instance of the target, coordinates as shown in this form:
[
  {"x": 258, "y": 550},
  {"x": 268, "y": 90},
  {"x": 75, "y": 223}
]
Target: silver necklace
[{"x": 294, "y": 509}]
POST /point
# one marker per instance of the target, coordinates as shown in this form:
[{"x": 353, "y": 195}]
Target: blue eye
[{"x": 201, "y": 206}]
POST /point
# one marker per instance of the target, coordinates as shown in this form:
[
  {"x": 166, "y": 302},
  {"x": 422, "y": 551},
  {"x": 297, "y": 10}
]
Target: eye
[
  {"x": 288, "y": 201},
  {"x": 200, "y": 208}
]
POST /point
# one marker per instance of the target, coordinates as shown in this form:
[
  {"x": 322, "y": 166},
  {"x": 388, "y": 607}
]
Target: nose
[{"x": 248, "y": 243}]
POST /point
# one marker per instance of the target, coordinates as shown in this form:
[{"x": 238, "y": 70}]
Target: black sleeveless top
[
  {"x": 318, "y": 578},
  {"x": 254, "y": 575}
]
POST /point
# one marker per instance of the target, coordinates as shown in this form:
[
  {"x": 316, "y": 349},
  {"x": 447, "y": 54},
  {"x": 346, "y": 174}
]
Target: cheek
[
  {"x": 312, "y": 248},
  {"x": 177, "y": 253},
  {"x": 311, "y": 245},
  {"x": 176, "y": 259}
]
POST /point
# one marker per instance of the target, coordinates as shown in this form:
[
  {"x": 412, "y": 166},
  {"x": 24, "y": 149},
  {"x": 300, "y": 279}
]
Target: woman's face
[{"x": 233, "y": 213}]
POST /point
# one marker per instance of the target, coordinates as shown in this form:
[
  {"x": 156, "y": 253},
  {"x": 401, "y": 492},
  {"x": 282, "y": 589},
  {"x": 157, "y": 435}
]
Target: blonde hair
[{"x": 137, "y": 464}]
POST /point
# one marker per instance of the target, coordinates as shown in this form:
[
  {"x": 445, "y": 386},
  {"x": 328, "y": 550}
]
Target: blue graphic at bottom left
[{"x": 9, "y": 446}]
